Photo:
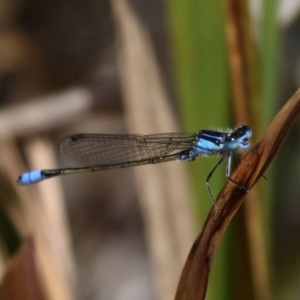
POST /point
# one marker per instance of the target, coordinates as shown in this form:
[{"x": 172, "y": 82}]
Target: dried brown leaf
[
  {"x": 22, "y": 279},
  {"x": 194, "y": 277}
]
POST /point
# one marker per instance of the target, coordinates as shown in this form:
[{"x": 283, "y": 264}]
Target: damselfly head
[{"x": 239, "y": 138}]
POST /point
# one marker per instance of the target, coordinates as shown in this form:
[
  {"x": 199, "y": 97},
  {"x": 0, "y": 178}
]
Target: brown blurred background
[{"x": 125, "y": 67}]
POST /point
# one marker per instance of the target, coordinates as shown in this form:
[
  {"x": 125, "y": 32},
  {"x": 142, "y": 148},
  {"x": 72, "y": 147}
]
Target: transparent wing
[{"x": 107, "y": 149}]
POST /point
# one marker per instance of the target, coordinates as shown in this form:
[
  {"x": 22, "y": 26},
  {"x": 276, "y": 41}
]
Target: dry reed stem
[
  {"x": 163, "y": 189},
  {"x": 245, "y": 87}
]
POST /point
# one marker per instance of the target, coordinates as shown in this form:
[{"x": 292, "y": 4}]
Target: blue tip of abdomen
[{"x": 31, "y": 177}]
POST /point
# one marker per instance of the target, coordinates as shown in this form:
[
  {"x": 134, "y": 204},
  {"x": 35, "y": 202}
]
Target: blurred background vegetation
[{"x": 126, "y": 66}]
